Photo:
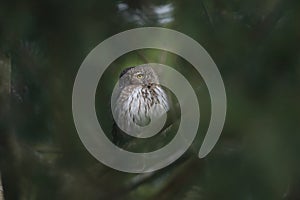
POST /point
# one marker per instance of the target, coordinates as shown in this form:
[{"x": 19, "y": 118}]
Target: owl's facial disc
[
  {"x": 141, "y": 78},
  {"x": 139, "y": 75}
]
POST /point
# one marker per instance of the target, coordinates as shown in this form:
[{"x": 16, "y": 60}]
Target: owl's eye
[{"x": 139, "y": 76}]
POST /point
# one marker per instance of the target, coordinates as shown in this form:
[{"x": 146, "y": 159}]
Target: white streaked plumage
[{"x": 140, "y": 98}]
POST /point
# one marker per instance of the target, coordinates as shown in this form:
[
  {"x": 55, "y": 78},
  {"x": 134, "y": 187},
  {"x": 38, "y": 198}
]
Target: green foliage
[{"x": 256, "y": 47}]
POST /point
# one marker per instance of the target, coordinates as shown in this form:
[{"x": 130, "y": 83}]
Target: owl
[{"x": 140, "y": 98}]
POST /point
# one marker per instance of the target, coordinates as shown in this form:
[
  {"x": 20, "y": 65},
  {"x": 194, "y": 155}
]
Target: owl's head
[{"x": 139, "y": 75}]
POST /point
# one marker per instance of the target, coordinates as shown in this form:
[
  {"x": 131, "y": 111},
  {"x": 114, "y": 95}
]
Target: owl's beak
[{"x": 149, "y": 85}]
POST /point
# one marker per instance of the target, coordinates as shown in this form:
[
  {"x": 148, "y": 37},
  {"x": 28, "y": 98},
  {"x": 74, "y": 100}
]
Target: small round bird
[{"x": 140, "y": 98}]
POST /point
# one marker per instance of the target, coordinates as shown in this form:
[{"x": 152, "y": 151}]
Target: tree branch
[{"x": 5, "y": 74}]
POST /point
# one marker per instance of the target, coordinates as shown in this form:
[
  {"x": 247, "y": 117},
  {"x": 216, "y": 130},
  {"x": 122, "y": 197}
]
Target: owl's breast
[{"x": 137, "y": 106}]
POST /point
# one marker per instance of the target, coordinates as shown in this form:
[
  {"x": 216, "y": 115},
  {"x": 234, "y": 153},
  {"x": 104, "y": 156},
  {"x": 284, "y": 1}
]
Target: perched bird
[{"x": 140, "y": 98}]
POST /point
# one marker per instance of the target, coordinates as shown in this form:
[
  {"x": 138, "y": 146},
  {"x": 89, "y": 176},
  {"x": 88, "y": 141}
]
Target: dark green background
[{"x": 255, "y": 44}]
